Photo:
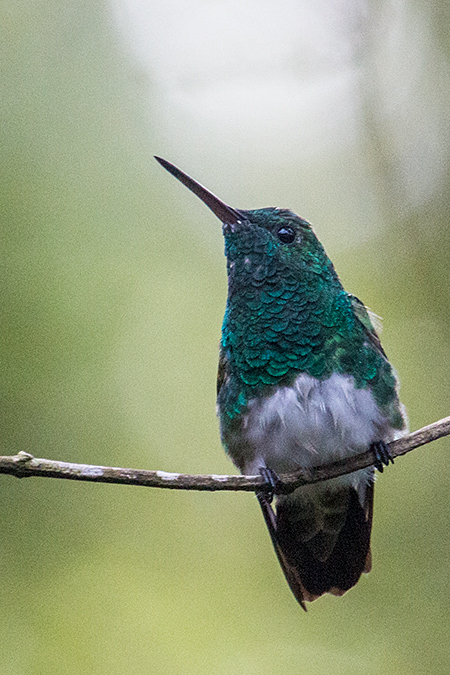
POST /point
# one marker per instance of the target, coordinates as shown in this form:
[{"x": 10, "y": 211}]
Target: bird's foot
[
  {"x": 382, "y": 455},
  {"x": 272, "y": 484}
]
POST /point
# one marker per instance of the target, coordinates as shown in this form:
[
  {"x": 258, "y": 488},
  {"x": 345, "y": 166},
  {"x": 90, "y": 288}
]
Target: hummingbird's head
[
  {"x": 273, "y": 232},
  {"x": 279, "y": 231}
]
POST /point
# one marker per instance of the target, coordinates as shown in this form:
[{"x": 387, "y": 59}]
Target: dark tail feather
[
  {"x": 290, "y": 572},
  {"x": 307, "y": 575}
]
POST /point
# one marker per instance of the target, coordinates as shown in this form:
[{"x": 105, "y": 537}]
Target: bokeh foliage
[{"x": 113, "y": 288}]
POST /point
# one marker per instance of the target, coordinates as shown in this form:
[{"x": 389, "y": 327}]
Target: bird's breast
[{"x": 309, "y": 423}]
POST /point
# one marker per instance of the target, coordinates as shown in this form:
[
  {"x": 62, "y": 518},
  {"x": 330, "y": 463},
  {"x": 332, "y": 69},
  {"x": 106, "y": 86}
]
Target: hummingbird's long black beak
[{"x": 225, "y": 213}]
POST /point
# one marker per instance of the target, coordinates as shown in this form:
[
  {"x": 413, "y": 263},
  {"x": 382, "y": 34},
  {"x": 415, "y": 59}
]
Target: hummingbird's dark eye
[{"x": 286, "y": 235}]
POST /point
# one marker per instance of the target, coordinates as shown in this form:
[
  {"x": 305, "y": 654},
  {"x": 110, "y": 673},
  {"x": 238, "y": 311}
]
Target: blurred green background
[{"x": 113, "y": 292}]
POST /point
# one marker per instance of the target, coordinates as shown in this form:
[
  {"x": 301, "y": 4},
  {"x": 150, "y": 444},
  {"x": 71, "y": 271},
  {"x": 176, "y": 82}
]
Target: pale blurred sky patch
[
  {"x": 253, "y": 70},
  {"x": 413, "y": 85},
  {"x": 288, "y": 84}
]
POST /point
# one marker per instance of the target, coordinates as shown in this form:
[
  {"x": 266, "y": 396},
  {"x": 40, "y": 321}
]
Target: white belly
[{"x": 313, "y": 422}]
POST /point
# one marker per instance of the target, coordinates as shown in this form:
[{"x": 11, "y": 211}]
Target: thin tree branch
[{"x": 24, "y": 465}]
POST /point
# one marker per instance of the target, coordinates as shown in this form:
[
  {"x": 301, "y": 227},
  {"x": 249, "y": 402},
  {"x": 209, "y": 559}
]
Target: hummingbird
[{"x": 303, "y": 381}]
